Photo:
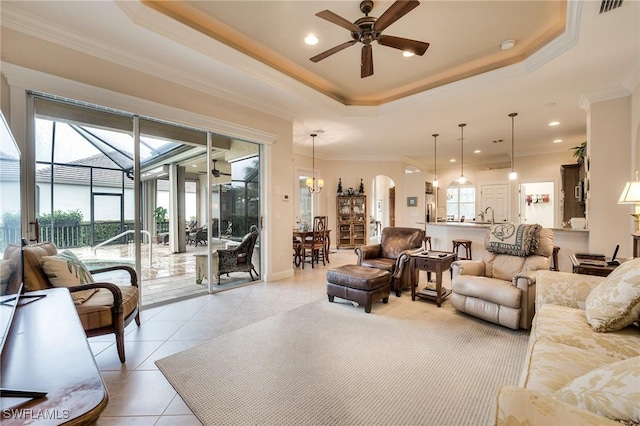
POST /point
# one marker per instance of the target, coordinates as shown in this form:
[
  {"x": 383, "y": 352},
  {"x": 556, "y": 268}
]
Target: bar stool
[
  {"x": 427, "y": 242},
  {"x": 466, "y": 244},
  {"x": 554, "y": 259}
]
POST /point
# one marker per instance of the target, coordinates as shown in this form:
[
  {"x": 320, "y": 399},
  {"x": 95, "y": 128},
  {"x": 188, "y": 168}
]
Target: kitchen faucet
[{"x": 493, "y": 219}]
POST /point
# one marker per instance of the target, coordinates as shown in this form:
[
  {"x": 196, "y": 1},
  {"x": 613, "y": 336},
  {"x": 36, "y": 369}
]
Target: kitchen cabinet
[{"x": 352, "y": 221}]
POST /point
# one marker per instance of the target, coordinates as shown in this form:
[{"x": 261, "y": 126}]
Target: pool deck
[{"x": 171, "y": 276}]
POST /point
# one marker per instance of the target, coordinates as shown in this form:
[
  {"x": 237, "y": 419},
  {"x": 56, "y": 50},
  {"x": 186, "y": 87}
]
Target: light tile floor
[
  {"x": 170, "y": 277},
  {"x": 138, "y": 392}
]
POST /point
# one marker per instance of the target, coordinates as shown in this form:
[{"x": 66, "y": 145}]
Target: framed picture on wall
[{"x": 412, "y": 201}]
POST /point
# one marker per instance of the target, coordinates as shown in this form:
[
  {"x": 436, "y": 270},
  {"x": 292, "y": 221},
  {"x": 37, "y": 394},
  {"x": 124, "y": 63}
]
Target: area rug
[{"x": 406, "y": 363}]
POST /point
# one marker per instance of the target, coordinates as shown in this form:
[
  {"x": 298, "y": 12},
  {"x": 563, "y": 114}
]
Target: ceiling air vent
[{"x": 608, "y": 5}]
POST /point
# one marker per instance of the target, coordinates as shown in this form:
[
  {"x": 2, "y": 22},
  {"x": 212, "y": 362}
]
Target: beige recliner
[{"x": 501, "y": 288}]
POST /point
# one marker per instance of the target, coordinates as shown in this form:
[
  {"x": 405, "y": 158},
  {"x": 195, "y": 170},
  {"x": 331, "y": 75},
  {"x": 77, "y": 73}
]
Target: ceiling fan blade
[
  {"x": 396, "y": 11},
  {"x": 366, "y": 66},
  {"x": 333, "y": 50},
  {"x": 338, "y": 20},
  {"x": 414, "y": 46}
]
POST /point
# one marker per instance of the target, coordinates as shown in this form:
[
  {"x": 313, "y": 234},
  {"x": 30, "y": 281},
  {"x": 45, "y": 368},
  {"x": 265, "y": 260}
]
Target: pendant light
[
  {"x": 312, "y": 185},
  {"x": 513, "y": 175},
  {"x": 462, "y": 180},
  {"x": 435, "y": 160}
]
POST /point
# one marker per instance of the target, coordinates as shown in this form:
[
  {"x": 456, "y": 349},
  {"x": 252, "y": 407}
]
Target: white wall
[
  {"x": 608, "y": 145},
  {"x": 539, "y": 210}
]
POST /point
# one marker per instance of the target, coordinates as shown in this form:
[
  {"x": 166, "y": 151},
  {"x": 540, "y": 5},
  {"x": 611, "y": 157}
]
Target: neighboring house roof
[
  {"x": 105, "y": 172},
  {"x": 9, "y": 167}
]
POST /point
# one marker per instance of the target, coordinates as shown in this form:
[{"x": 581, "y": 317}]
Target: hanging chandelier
[
  {"x": 513, "y": 175},
  {"x": 313, "y": 184},
  {"x": 462, "y": 180},
  {"x": 435, "y": 160}
]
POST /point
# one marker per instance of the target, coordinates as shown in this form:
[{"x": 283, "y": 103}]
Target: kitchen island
[{"x": 570, "y": 241}]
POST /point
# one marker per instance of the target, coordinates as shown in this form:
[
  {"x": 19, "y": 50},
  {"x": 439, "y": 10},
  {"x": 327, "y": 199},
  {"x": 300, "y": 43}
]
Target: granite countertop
[{"x": 488, "y": 224}]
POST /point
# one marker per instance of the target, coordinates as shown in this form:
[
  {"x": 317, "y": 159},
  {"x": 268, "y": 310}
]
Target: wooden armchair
[{"x": 108, "y": 310}]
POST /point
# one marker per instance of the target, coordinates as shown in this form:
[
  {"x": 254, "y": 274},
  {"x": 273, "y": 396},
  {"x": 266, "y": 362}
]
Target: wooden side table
[
  {"x": 431, "y": 262},
  {"x": 581, "y": 266}
]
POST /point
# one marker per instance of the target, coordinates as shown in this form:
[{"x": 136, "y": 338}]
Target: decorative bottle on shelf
[
  {"x": 361, "y": 188},
  {"x": 339, "y": 186}
]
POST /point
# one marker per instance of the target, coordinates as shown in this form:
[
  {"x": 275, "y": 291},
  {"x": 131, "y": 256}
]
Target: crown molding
[
  {"x": 606, "y": 94},
  {"x": 552, "y": 50},
  {"x": 38, "y": 81},
  {"x": 35, "y": 27},
  {"x": 147, "y": 17}
]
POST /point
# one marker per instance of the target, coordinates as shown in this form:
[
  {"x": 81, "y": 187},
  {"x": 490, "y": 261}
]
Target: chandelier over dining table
[{"x": 313, "y": 184}]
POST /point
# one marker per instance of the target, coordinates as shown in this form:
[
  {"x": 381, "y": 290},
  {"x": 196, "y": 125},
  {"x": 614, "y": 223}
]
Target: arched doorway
[{"x": 382, "y": 206}]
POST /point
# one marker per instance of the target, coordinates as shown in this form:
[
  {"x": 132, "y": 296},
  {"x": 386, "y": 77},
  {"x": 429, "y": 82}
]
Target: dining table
[{"x": 299, "y": 236}]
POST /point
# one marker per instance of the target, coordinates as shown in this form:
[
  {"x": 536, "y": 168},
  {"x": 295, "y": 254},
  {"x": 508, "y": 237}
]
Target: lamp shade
[{"x": 630, "y": 193}]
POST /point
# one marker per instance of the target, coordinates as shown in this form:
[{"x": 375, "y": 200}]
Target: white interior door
[{"x": 495, "y": 196}]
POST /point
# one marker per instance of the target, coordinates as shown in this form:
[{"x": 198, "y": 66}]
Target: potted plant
[
  {"x": 580, "y": 152},
  {"x": 160, "y": 214}
]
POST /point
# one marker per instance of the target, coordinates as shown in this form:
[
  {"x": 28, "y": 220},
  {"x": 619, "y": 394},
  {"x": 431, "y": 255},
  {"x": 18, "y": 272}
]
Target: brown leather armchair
[
  {"x": 392, "y": 254},
  {"x": 107, "y": 311}
]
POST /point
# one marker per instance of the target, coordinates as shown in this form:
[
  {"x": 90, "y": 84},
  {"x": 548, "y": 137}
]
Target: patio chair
[
  {"x": 103, "y": 308},
  {"x": 198, "y": 235},
  {"x": 237, "y": 259}
]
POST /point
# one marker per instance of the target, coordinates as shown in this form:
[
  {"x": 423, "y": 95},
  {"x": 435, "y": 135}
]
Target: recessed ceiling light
[
  {"x": 311, "y": 40},
  {"x": 407, "y": 54},
  {"x": 453, "y": 160},
  {"x": 477, "y": 151},
  {"x": 557, "y": 140},
  {"x": 194, "y": 165},
  {"x": 554, "y": 123},
  {"x": 507, "y": 44}
]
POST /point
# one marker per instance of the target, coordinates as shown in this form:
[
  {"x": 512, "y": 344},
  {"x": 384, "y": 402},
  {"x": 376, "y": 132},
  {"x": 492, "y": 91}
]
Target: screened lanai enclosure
[{"x": 190, "y": 180}]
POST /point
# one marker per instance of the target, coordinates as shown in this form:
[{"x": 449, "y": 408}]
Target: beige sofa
[{"x": 574, "y": 375}]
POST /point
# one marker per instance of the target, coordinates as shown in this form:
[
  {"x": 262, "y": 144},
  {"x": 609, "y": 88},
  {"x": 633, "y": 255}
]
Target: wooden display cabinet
[{"x": 352, "y": 221}]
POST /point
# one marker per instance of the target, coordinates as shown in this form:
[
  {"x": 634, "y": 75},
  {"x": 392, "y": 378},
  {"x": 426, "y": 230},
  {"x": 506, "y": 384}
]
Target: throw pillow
[
  {"x": 66, "y": 270},
  {"x": 611, "y": 391},
  {"x": 615, "y": 303}
]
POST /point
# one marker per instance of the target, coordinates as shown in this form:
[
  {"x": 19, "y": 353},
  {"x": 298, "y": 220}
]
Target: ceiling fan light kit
[{"x": 369, "y": 29}]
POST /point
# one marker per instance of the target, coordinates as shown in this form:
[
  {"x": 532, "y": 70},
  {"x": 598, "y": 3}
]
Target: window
[
  {"x": 461, "y": 202},
  {"x": 305, "y": 199}
]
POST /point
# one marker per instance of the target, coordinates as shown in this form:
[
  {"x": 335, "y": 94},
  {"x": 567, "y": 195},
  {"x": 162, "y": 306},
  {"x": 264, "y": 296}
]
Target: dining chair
[{"x": 315, "y": 246}]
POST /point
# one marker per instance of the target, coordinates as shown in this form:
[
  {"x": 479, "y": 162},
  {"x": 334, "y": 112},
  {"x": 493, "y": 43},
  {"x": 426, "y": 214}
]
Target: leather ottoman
[{"x": 359, "y": 284}]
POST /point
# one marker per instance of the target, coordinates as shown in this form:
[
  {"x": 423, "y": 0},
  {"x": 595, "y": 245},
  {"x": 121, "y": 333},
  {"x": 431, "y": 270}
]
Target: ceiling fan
[
  {"x": 369, "y": 28},
  {"x": 216, "y": 172}
]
